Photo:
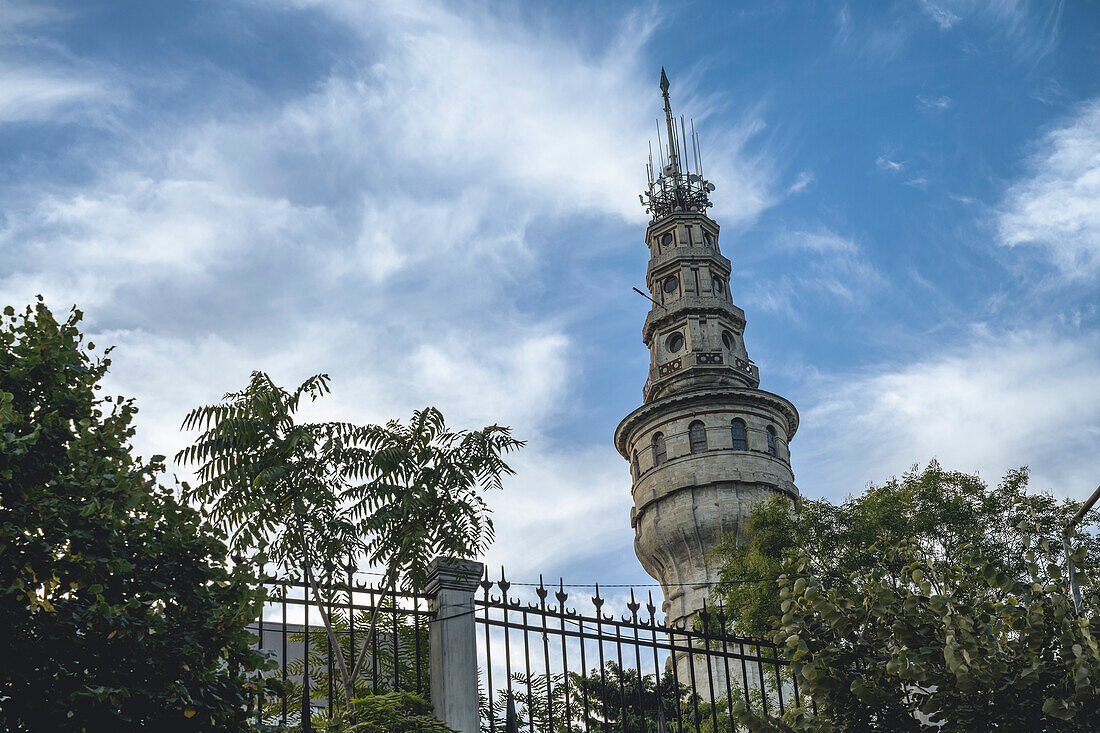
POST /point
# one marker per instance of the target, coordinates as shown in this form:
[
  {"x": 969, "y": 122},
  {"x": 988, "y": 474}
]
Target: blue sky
[{"x": 437, "y": 203}]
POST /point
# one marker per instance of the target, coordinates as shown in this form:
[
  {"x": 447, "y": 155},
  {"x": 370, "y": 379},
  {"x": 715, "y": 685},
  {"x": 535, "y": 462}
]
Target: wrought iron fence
[
  {"x": 547, "y": 668},
  {"x": 291, "y": 630},
  {"x": 540, "y": 666}
]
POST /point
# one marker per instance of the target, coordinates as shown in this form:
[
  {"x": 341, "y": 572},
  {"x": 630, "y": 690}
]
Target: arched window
[
  {"x": 659, "y": 455},
  {"x": 697, "y": 435},
  {"x": 637, "y": 473},
  {"x": 771, "y": 442},
  {"x": 740, "y": 442}
]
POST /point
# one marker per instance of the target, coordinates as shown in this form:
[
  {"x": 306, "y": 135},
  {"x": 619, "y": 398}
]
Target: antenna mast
[{"x": 673, "y": 157}]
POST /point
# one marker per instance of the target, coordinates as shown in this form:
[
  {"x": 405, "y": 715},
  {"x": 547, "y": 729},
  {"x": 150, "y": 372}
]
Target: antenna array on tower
[{"x": 672, "y": 187}]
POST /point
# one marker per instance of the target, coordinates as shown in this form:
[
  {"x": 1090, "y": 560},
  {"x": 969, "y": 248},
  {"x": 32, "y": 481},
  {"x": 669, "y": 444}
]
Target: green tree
[
  {"x": 117, "y": 607},
  {"x": 933, "y": 600},
  {"x": 898, "y": 651},
  {"x": 940, "y": 510},
  {"x": 318, "y": 495}
]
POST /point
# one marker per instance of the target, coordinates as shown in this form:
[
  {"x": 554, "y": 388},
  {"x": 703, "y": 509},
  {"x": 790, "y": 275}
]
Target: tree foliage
[
  {"x": 940, "y": 510},
  {"x": 387, "y": 712},
  {"x": 612, "y": 698},
  {"x": 317, "y": 496},
  {"x": 116, "y": 603},
  {"x": 963, "y": 630}
]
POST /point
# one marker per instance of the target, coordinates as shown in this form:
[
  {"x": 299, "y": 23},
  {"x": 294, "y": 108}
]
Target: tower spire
[{"x": 670, "y": 124}]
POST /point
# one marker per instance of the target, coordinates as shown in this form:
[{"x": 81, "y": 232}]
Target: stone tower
[{"x": 707, "y": 443}]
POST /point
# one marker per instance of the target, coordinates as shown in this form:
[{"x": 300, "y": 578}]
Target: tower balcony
[{"x": 705, "y": 368}]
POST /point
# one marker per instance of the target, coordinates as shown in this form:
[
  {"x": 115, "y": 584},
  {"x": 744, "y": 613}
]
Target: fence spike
[{"x": 486, "y": 584}]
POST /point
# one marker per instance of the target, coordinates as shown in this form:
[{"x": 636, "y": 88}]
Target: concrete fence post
[{"x": 452, "y": 641}]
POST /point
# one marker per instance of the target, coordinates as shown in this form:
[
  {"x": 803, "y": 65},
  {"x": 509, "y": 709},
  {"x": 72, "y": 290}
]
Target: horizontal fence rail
[
  {"x": 545, "y": 667},
  {"x": 291, "y": 631}
]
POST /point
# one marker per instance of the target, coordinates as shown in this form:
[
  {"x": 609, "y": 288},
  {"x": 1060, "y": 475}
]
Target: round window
[
  {"x": 727, "y": 340},
  {"x": 675, "y": 342},
  {"x": 716, "y": 284},
  {"x": 671, "y": 284},
  {"x": 666, "y": 239}
]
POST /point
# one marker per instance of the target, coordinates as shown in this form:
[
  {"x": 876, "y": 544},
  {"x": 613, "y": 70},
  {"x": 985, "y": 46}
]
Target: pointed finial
[{"x": 664, "y": 81}]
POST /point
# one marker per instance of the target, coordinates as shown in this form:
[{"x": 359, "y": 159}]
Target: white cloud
[
  {"x": 843, "y": 25},
  {"x": 489, "y": 101},
  {"x": 885, "y": 164},
  {"x": 520, "y": 383},
  {"x": 825, "y": 265},
  {"x": 801, "y": 182},
  {"x": 563, "y": 504},
  {"x": 1057, "y": 205},
  {"x": 820, "y": 241},
  {"x": 935, "y": 103},
  {"x": 44, "y": 94},
  {"x": 943, "y": 17},
  {"x": 1006, "y": 399},
  {"x": 390, "y": 164},
  {"x": 1027, "y": 30},
  {"x": 1030, "y": 28},
  {"x": 18, "y": 14},
  {"x": 42, "y": 82},
  {"x": 1020, "y": 31},
  {"x": 134, "y": 230}
]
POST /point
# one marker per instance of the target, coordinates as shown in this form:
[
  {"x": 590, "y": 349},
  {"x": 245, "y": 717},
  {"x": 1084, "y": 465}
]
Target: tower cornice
[
  {"x": 703, "y": 398},
  {"x": 707, "y": 306},
  {"x": 667, "y": 260},
  {"x": 680, "y": 217}
]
